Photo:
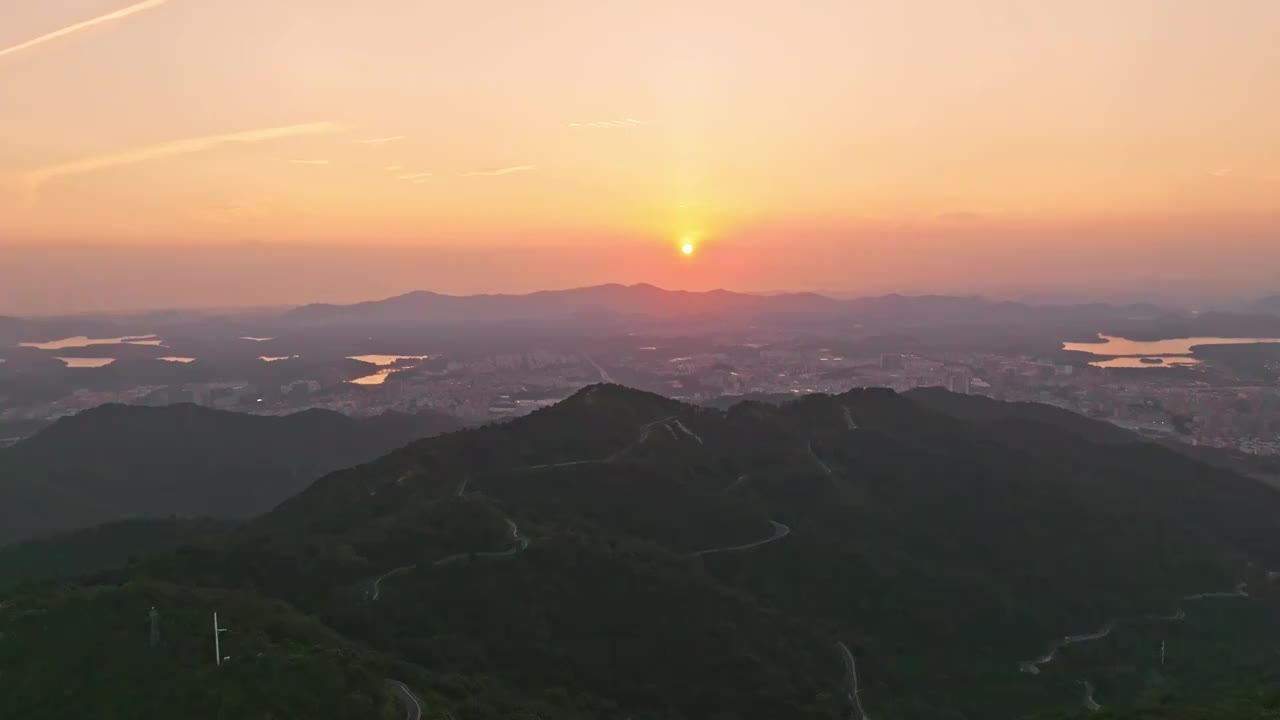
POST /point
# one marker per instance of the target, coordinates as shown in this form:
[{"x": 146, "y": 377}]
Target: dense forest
[
  {"x": 622, "y": 555},
  {"x": 118, "y": 462}
]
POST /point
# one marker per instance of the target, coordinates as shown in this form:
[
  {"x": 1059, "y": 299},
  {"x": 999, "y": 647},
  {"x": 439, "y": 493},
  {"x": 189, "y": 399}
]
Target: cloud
[
  {"x": 1222, "y": 172},
  {"x": 392, "y": 168},
  {"x": 309, "y": 162},
  {"x": 170, "y": 149},
  {"x": 381, "y": 140},
  {"x": 501, "y": 171},
  {"x": 415, "y": 176},
  {"x": 85, "y": 25}
]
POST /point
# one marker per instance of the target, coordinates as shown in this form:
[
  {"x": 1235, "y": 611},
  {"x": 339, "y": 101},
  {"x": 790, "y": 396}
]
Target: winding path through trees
[
  {"x": 375, "y": 590},
  {"x": 1089, "y": 702},
  {"x": 826, "y": 469},
  {"x": 779, "y": 531},
  {"x": 854, "y": 692},
  {"x": 1032, "y": 667},
  {"x": 735, "y": 484},
  {"x": 412, "y": 705}
]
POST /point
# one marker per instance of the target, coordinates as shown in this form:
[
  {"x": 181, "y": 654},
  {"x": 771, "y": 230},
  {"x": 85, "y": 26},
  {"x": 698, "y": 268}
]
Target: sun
[{"x": 687, "y": 248}]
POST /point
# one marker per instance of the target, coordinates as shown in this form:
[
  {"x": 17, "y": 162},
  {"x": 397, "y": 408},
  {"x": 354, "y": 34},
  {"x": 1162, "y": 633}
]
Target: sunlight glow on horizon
[{"x": 1010, "y": 138}]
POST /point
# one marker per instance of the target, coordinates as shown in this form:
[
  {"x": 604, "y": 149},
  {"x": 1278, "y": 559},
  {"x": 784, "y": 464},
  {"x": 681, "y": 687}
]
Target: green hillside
[
  {"x": 621, "y": 555},
  {"x": 87, "y": 650},
  {"x": 119, "y": 462}
]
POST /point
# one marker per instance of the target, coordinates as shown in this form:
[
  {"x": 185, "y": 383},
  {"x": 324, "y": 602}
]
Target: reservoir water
[
  {"x": 1173, "y": 352},
  {"x": 387, "y": 364},
  {"x": 77, "y": 362},
  {"x": 1111, "y": 345},
  {"x": 1137, "y": 362},
  {"x": 385, "y": 360},
  {"x": 377, "y": 378},
  {"x": 80, "y": 341}
]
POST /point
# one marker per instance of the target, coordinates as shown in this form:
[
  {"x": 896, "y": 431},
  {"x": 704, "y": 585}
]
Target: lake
[
  {"x": 386, "y": 363},
  {"x": 385, "y": 360},
  {"x": 77, "y": 362},
  {"x": 1136, "y": 362},
  {"x": 80, "y": 341},
  {"x": 1111, "y": 345},
  {"x": 377, "y": 378}
]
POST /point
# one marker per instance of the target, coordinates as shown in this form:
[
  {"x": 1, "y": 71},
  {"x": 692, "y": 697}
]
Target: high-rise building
[{"x": 958, "y": 382}]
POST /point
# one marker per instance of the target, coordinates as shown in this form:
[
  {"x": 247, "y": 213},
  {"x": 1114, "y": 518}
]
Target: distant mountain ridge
[
  {"x": 119, "y": 462},
  {"x": 615, "y": 302},
  {"x": 599, "y": 300}
]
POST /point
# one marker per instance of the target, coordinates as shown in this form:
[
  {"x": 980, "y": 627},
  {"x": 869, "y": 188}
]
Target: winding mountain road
[
  {"x": 412, "y": 705},
  {"x": 779, "y": 531},
  {"x": 734, "y": 485},
  {"x": 569, "y": 463},
  {"x": 519, "y": 544},
  {"x": 1177, "y": 616},
  {"x": 376, "y": 590},
  {"x": 854, "y": 692},
  {"x": 1239, "y": 592},
  {"x": 1032, "y": 667},
  {"x": 826, "y": 469},
  {"x": 684, "y": 429},
  {"x": 1089, "y": 703},
  {"x": 645, "y": 430}
]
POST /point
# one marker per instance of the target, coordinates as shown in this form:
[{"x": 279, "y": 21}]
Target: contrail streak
[
  {"x": 503, "y": 171},
  {"x": 72, "y": 29},
  {"x": 170, "y": 149}
]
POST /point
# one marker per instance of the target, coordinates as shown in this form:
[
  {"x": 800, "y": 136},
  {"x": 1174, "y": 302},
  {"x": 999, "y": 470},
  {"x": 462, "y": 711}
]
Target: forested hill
[
  {"x": 116, "y": 462},
  {"x": 622, "y": 555}
]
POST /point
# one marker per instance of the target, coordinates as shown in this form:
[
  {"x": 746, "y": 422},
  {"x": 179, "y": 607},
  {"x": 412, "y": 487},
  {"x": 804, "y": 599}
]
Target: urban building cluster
[{"x": 1203, "y": 406}]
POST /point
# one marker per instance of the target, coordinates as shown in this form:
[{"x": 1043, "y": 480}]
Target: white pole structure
[
  {"x": 217, "y": 645},
  {"x": 1162, "y": 653}
]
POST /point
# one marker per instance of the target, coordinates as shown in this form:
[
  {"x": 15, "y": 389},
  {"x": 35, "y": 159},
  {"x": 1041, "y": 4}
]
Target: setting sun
[{"x": 687, "y": 248}]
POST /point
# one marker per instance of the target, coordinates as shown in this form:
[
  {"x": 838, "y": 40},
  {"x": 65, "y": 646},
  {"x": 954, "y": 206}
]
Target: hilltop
[
  {"x": 623, "y": 555},
  {"x": 118, "y": 462}
]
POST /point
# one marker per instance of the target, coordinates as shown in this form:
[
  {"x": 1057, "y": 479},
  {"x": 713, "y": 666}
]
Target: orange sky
[{"x": 842, "y": 145}]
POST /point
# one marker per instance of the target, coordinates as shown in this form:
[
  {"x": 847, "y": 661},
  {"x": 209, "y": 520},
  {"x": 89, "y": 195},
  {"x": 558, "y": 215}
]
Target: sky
[{"x": 176, "y": 153}]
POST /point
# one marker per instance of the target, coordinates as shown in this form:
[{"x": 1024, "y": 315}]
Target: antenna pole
[
  {"x": 217, "y": 645},
  {"x": 154, "y": 616}
]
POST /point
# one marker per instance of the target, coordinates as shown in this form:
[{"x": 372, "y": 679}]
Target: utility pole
[
  {"x": 1162, "y": 653},
  {"x": 217, "y": 645},
  {"x": 155, "y": 626}
]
